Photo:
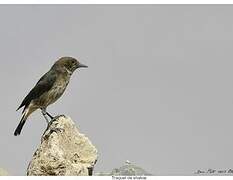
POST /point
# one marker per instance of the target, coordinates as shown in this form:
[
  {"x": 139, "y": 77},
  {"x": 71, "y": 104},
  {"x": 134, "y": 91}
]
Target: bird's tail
[
  {"x": 26, "y": 112},
  {"x": 20, "y": 126}
]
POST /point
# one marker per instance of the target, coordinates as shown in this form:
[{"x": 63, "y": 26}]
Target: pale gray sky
[{"x": 158, "y": 90}]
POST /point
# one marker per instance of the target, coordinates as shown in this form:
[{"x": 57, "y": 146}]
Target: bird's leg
[
  {"x": 49, "y": 115},
  {"x": 44, "y": 114}
]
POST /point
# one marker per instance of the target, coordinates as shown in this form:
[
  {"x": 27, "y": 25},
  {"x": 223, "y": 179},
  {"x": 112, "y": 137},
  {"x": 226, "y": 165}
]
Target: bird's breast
[
  {"x": 53, "y": 94},
  {"x": 57, "y": 90}
]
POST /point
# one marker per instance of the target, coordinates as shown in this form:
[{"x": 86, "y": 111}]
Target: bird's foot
[
  {"x": 54, "y": 120},
  {"x": 58, "y": 116},
  {"x": 47, "y": 133},
  {"x": 57, "y": 130}
]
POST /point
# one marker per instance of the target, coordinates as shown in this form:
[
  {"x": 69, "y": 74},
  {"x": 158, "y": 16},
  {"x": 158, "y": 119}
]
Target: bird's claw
[
  {"x": 58, "y": 116},
  {"x": 57, "y": 130}
]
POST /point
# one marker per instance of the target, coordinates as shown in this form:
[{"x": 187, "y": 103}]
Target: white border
[
  {"x": 116, "y": 2},
  {"x": 110, "y": 178}
]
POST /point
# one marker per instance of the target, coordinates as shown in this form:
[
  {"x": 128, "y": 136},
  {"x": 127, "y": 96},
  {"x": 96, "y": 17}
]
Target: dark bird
[{"x": 48, "y": 89}]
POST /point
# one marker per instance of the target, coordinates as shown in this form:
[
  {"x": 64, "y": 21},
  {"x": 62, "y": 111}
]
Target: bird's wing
[{"x": 43, "y": 85}]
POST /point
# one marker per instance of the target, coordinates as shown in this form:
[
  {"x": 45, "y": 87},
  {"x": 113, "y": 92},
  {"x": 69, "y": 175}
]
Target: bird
[{"x": 48, "y": 89}]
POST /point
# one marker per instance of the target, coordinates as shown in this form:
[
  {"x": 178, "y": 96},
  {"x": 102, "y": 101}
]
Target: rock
[
  {"x": 3, "y": 172},
  {"x": 63, "y": 151},
  {"x": 128, "y": 169}
]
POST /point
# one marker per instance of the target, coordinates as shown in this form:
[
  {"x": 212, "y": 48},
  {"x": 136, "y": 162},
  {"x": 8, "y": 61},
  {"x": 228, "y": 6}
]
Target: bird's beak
[{"x": 82, "y": 65}]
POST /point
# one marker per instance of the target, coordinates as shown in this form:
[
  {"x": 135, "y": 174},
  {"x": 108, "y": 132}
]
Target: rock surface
[
  {"x": 63, "y": 151},
  {"x": 128, "y": 169},
  {"x": 3, "y": 172}
]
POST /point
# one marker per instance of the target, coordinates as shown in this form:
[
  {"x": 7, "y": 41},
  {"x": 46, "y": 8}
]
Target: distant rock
[
  {"x": 63, "y": 151},
  {"x": 128, "y": 169},
  {"x": 3, "y": 172}
]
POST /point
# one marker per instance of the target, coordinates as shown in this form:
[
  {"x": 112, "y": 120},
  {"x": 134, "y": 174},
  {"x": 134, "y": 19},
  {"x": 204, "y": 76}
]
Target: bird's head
[{"x": 68, "y": 64}]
